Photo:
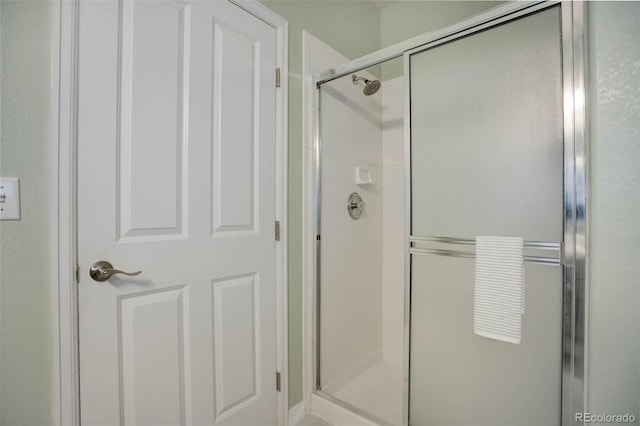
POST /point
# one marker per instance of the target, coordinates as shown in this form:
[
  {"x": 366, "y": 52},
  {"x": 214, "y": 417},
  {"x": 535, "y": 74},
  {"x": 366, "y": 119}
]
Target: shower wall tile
[
  {"x": 308, "y": 219},
  {"x": 393, "y": 337},
  {"x": 393, "y": 201},
  {"x": 393, "y": 177},
  {"x": 309, "y": 273},
  {"x": 333, "y": 166},
  {"x": 351, "y": 250},
  {"x": 362, "y": 261},
  {"x": 394, "y": 258},
  {"x": 393, "y": 299},
  {"x": 309, "y": 191},
  {"x": 393, "y": 237},
  {"x": 393, "y": 151},
  {"x": 309, "y": 158},
  {"x": 394, "y": 195},
  {"x": 393, "y": 217}
]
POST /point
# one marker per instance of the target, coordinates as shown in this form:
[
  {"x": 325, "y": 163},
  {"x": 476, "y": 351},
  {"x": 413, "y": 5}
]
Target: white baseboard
[{"x": 297, "y": 413}]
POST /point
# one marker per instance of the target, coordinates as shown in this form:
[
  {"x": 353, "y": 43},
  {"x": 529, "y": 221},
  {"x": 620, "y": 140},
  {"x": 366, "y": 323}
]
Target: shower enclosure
[
  {"x": 361, "y": 267},
  {"x": 482, "y": 135}
]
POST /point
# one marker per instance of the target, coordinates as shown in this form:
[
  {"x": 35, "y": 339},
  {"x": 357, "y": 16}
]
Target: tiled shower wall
[
  {"x": 362, "y": 262},
  {"x": 351, "y": 315},
  {"x": 351, "y": 266},
  {"x": 393, "y": 221}
]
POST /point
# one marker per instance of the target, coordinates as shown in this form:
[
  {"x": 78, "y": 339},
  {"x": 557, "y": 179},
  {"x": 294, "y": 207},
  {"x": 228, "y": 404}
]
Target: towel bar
[{"x": 538, "y": 245}]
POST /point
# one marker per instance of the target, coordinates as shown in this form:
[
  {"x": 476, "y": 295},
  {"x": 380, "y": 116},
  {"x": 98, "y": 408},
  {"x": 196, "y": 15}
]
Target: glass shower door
[{"x": 486, "y": 160}]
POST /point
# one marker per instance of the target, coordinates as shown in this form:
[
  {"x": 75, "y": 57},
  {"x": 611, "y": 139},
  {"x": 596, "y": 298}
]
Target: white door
[{"x": 176, "y": 165}]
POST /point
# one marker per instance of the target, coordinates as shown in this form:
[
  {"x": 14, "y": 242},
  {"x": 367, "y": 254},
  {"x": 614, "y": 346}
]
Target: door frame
[{"x": 66, "y": 384}]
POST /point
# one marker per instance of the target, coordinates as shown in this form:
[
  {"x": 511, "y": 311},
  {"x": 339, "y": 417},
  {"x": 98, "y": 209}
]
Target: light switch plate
[{"x": 9, "y": 199}]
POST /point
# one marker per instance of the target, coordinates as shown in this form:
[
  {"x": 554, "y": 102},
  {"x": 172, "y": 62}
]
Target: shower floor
[{"x": 377, "y": 390}]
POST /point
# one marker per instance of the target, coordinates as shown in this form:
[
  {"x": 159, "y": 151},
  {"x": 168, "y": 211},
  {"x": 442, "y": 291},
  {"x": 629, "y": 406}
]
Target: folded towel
[{"x": 499, "y": 288}]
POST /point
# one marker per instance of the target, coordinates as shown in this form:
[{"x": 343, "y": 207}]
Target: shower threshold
[{"x": 375, "y": 393}]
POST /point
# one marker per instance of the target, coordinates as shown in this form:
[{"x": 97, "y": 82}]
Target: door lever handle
[{"x": 103, "y": 270}]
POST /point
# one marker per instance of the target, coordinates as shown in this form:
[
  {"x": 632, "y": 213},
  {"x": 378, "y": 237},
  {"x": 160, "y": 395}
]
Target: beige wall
[
  {"x": 614, "y": 208},
  {"x": 27, "y": 151}
]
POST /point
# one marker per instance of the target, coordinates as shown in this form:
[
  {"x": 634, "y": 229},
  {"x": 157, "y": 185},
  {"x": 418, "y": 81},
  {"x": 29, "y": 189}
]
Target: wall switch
[{"x": 9, "y": 199}]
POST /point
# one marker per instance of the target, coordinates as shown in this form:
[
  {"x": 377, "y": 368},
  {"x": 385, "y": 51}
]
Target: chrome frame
[
  {"x": 575, "y": 210},
  {"x": 317, "y": 288},
  {"x": 540, "y": 260},
  {"x": 491, "y": 16},
  {"x": 573, "y": 250},
  {"x": 536, "y": 245},
  {"x": 406, "y": 370}
]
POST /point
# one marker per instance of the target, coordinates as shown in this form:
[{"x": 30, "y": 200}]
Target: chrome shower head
[{"x": 370, "y": 86}]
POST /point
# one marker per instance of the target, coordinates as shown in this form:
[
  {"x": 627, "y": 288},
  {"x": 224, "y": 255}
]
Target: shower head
[{"x": 370, "y": 86}]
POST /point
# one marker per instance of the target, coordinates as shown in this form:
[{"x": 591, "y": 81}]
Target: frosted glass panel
[
  {"x": 458, "y": 378},
  {"x": 486, "y": 159},
  {"x": 486, "y": 133}
]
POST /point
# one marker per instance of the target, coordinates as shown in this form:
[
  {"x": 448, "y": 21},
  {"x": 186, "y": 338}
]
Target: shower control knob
[
  {"x": 355, "y": 206},
  {"x": 359, "y": 205}
]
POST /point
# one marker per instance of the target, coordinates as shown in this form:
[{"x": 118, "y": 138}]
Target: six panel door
[{"x": 176, "y": 178}]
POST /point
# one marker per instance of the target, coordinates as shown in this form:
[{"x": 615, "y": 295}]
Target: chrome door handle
[{"x": 103, "y": 270}]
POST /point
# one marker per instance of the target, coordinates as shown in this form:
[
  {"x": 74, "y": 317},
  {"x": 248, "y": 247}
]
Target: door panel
[
  {"x": 176, "y": 149},
  {"x": 236, "y": 85},
  {"x": 486, "y": 159},
  {"x": 153, "y": 328},
  {"x": 153, "y": 113},
  {"x": 237, "y": 342}
]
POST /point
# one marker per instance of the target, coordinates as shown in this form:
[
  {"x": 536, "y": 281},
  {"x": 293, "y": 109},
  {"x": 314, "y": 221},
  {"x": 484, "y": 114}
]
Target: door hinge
[
  {"x": 278, "y": 77},
  {"x": 277, "y": 230},
  {"x": 77, "y": 273},
  {"x": 278, "y": 381}
]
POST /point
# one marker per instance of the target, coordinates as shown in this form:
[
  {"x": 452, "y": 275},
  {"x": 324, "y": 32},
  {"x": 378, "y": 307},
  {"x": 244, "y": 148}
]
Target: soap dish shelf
[{"x": 363, "y": 176}]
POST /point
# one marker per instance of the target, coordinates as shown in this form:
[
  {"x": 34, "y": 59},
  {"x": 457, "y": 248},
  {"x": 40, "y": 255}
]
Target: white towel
[{"x": 499, "y": 288}]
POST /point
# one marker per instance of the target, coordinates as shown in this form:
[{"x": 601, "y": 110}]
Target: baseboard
[{"x": 297, "y": 413}]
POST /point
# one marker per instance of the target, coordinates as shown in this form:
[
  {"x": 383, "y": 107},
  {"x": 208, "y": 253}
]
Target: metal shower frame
[{"x": 574, "y": 252}]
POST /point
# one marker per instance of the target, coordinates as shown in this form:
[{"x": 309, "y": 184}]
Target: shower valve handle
[{"x": 357, "y": 205}]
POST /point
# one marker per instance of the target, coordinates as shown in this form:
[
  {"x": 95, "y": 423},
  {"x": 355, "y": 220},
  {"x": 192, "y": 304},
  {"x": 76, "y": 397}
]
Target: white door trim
[{"x": 66, "y": 390}]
